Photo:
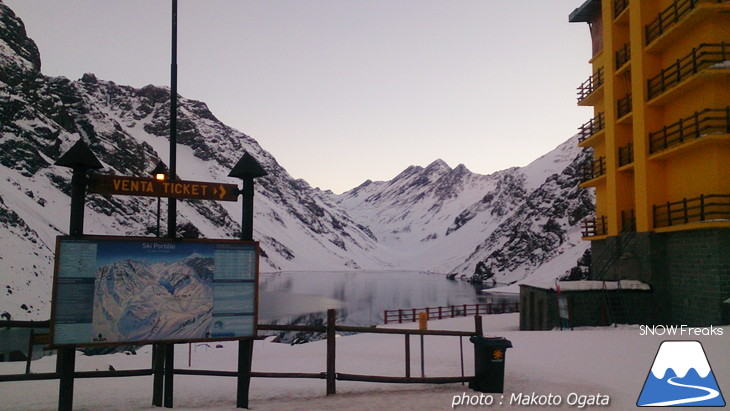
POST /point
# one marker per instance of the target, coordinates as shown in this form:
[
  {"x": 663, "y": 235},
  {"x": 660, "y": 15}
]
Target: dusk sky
[{"x": 344, "y": 91}]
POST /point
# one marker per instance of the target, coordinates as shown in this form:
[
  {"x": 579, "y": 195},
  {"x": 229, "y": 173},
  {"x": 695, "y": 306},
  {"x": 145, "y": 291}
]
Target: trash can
[{"x": 489, "y": 355}]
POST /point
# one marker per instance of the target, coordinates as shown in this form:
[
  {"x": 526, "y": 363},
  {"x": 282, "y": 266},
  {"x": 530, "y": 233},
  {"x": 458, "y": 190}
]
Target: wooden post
[
  {"x": 65, "y": 368},
  {"x": 461, "y": 354},
  {"x": 247, "y": 169},
  {"x": 169, "y": 374},
  {"x": 80, "y": 159},
  {"x": 423, "y": 362},
  {"x": 331, "y": 318},
  {"x": 478, "y": 325},
  {"x": 243, "y": 382},
  {"x": 408, "y": 356},
  {"x": 30, "y": 350},
  {"x": 158, "y": 376}
]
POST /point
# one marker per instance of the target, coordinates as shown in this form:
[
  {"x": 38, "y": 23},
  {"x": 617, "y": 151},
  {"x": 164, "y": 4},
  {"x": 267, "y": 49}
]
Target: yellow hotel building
[{"x": 660, "y": 138}]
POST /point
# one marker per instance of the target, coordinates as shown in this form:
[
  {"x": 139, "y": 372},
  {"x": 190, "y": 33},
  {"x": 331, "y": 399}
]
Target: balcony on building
[
  {"x": 703, "y": 126},
  {"x": 626, "y": 155},
  {"x": 590, "y": 129},
  {"x": 591, "y": 90},
  {"x": 705, "y": 209},
  {"x": 664, "y": 30},
  {"x": 622, "y": 57},
  {"x": 628, "y": 221},
  {"x": 624, "y": 105},
  {"x": 704, "y": 58},
  {"x": 594, "y": 227},
  {"x": 619, "y": 7},
  {"x": 593, "y": 172}
]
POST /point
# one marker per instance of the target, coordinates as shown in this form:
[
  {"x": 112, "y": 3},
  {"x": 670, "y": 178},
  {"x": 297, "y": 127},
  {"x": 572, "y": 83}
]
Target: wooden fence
[
  {"x": 450, "y": 311},
  {"x": 330, "y": 374}
]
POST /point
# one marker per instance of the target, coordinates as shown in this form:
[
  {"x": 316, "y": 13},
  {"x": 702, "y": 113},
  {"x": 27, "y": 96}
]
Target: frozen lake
[{"x": 360, "y": 296}]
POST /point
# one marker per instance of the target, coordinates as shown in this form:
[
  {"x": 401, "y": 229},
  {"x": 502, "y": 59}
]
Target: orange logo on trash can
[{"x": 497, "y": 354}]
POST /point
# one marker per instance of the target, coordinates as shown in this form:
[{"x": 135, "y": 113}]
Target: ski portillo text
[
  {"x": 530, "y": 400},
  {"x": 679, "y": 330}
]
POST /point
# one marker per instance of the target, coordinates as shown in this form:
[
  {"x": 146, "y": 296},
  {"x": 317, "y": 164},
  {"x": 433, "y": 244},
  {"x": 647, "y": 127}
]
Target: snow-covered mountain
[
  {"x": 508, "y": 223},
  {"x": 512, "y": 223},
  {"x": 127, "y": 129}
]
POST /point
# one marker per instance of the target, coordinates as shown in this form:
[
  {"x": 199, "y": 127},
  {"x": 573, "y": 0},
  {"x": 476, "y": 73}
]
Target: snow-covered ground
[{"x": 583, "y": 362}]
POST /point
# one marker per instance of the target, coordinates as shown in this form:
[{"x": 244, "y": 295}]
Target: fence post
[
  {"x": 400, "y": 316},
  {"x": 684, "y": 206},
  {"x": 697, "y": 124},
  {"x": 464, "y": 310},
  {"x": 679, "y": 71},
  {"x": 669, "y": 213},
  {"x": 331, "y": 318},
  {"x": 440, "y": 315},
  {"x": 702, "y": 207},
  {"x": 478, "y": 325},
  {"x": 385, "y": 316},
  {"x": 408, "y": 355}
]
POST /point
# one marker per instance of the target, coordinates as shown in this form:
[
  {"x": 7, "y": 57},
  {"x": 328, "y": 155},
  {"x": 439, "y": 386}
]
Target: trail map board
[{"x": 122, "y": 290}]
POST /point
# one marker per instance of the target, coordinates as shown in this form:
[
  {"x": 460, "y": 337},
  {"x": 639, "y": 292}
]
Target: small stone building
[{"x": 584, "y": 303}]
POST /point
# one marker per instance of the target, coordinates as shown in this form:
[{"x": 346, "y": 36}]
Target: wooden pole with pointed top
[
  {"x": 247, "y": 168},
  {"x": 80, "y": 159}
]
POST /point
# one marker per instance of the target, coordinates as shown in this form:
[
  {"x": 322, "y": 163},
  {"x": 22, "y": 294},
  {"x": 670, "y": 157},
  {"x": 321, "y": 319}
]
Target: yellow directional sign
[{"x": 141, "y": 186}]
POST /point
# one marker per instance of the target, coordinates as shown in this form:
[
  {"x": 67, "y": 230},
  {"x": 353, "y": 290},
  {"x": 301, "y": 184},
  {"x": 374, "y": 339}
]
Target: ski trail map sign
[{"x": 123, "y": 290}]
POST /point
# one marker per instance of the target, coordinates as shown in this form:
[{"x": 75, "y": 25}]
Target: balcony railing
[
  {"x": 592, "y": 127},
  {"x": 701, "y": 123},
  {"x": 628, "y": 221},
  {"x": 619, "y": 6},
  {"x": 623, "y": 55},
  {"x": 668, "y": 17},
  {"x": 596, "y": 169},
  {"x": 624, "y": 105},
  {"x": 626, "y": 154},
  {"x": 595, "y": 226},
  {"x": 589, "y": 86},
  {"x": 700, "y": 58},
  {"x": 706, "y": 207}
]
